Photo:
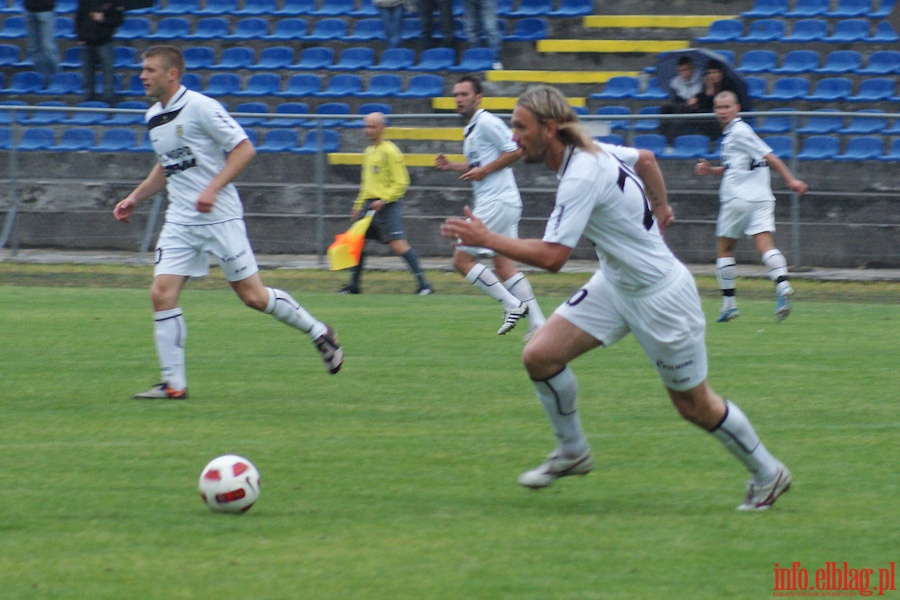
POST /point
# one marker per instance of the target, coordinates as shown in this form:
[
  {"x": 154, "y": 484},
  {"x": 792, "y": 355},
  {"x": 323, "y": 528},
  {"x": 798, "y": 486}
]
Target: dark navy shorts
[{"x": 387, "y": 224}]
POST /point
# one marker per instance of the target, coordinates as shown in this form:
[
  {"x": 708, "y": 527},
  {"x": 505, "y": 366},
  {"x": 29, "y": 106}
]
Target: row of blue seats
[
  {"x": 795, "y": 62},
  {"x": 805, "y": 30},
  {"x": 383, "y": 85},
  {"x": 288, "y": 29},
  {"x": 877, "y": 9},
  {"x": 818, "y": 147},
  {"x": 127, "y": 140},
  {"x": 827, "y": 89},
  {"x": 325, "y": 8}
]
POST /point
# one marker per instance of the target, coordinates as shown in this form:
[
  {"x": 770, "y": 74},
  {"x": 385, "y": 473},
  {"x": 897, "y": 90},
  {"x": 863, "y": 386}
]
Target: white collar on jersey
[
  {"x": 471, "y": 124},
  {"x": 567, "y": 156}
]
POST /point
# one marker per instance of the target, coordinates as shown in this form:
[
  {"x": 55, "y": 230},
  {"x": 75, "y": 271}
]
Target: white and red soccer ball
[{"x": 229, "y": 484}]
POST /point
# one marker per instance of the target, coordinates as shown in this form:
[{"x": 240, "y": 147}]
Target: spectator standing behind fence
[
  {"x": 747, "y": 205},
  {"x": 480, "y": 19},
  {"x": 445, "y": 19},
  {"x": 683, "y": 90},
  {"x": 95, "y": 24},
  {"x": 384, "y": 180},
  {"x": 392, "y": 16},
  {"x": 714, "y": 82},
  {"x": 40, "y": 20}
]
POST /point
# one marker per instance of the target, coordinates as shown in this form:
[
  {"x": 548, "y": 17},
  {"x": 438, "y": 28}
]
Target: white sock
[
  {"x": 737, "y": 434},
  {"x": 519, "y": 286},
  {"x": 776, "y": 263},
  {"x": 170, "y": 332},
  {"x": 485, "y": 280},
  {"x": 558, "y": 397},
  {"x": 290, "y": 312},
  {"x": 726, "y": 273}
]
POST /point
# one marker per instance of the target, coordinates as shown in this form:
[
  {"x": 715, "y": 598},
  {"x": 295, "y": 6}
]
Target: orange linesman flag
[{"x": 347, "y": 247}]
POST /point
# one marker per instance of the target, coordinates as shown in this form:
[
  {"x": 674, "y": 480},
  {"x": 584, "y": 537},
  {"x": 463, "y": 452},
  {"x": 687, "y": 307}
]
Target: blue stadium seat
[
  {"x": 6, "y": 116},
  {"x": 37, "y": 138},
  {"x": 395, "y": 59},
  {"x": 573, "y": 8},
  {"x": 504, "y": 8},
  {"x": 341, "y": 85},
  {"x": 289, "y": 29},
  {"x": 423, "y": 86},
  {"x": 787, "y": 89},
  {"x": 327, "y": 30},
  {"x": 63, "y": 83},
  {"x": 222, "y": 84},
  {"x": 126, "y": 57},
  {"x": 848, "y": 31},
  {"x": 87, "y": 118},
  {"x": 328, "y": 141},
  {"x": 689, "y": 146},
  {"x": 764, "y": 9},
  {"x": 219, "y": 8},
  {"x": 210, "y": 28},
  {"x": 819, "y": 147},
  {"x": 295, "y": 8},
  {"x": 178, "y": 7},
  {"x": 866, "y": 125},
  {"x": 894, "y": 129},
  {"x": 24, "y": 82},
  {"x": 263, "y": 8},
  {"x": 288, "y": 108},
  {"x": 882, "y": 62},
  {"x": 850, "y": 8},
  {"x": 613, "y": 138},
  {"x": 758, "y": 61},
  {"x": 315, "y": 58},
  {"x": 723, "y": 30},
  {"x": 614, "y": 110},
  {"x": 781, "y": 145},
  {"x": 764, "y": 30},
  {"x": 235, "y": 59},
  {"x": 840, "y": 62},
  {"x": 334, "y": 8},
  {"x": 127, "y": 119},
  {"x": 367, "y": 30},
  {"x": 884, "y": 34},
  {"x": 797, "y": 62},
  {"x": 410, "y": 28},
  {"x": 884, "y": 9},
  {"x": 821, "y": 125},
  {"x": 653, "y": 91},
  {"x": 876, "y": 89},
  {"x": 40, "y": 118},
  {"x": 646, "y": 125},
  {"x": 365, "y": 10},
  {"x": 170, "y": 28},
  {"x": 278, "y": 140},
  {"x": 75, "y": 139},
  {"x": 273, "y": 58},
  {"x": 618, "y": 88},
  {"x": 474, "y": 60},
  {"x": 893, "y": 153},
  {"x": 532, "y": 8},
  {"x": 65, "y": 6},
  {"x": 831, "y": 89},
  {"x": 383, "y": 85},
  {"x": 355, "y": 58},
  {"x": 192, "y": 81},
  {"x": 435, "y": 59},
  {"x": 804, "y": 9},
  {"x": 143, "y": 145},
  {"x": 299, "y": 86},
  {"x": 13, "y": 28},
  {"x": 756, "y": 86},
  {"x": 134, "y": 28},
  {"x": 260, "y": 85},
  {"x": 807, "y": 30},
  {"x": 199, "y": 57},
  {"x": 65, "y": 28},
  {"x": 337, "y": 114},
  {"x": 370, "y": 107},
  {"x": 70, "y": 60},
  {"x": 260, "y": 108},
  {"x": 654, "y": 142},
  {"x": 528, "y": 30},
  {"x": 862, "y": 148},
  {"x": 775, "y": 124},
  {"x": 116, "y": 140},
  {"x": 249, "y": 28}
]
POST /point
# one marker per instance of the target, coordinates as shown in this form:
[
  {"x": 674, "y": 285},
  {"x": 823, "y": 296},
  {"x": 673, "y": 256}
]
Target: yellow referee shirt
[{"x": 384, "y": 176}]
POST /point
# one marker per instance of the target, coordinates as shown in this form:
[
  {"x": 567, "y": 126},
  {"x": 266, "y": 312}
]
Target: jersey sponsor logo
[{"x": 178, "y": 160}]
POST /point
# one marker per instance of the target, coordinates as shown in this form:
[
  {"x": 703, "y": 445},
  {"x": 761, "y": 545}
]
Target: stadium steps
[
  {"x": 410, "y": 160},
  {"x": 650, "y": 21},
  {"x": 495, "y": 103},
  {"x": 556, "y": 77},
  {"x": 611, "y": 46},
  {"x": 444, "y": 134}
]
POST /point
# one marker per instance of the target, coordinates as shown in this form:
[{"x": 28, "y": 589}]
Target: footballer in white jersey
[
  {"x": 747, "y": 175},
  {"x": 486, "y": 138}
]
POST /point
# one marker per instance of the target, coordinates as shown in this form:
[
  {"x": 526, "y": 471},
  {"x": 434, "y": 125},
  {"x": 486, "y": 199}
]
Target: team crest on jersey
[{"x": 179, "y": 130}]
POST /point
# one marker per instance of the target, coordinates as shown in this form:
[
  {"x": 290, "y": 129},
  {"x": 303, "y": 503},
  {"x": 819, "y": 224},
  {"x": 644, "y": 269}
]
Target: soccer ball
[{"x": 229, "y": 484}]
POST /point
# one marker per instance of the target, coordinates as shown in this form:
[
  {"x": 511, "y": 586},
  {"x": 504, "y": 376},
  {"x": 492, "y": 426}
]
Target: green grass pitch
[{"x": 396, "y": 479}]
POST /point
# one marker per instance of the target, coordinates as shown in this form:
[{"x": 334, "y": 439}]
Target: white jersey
[
  {"x": 486, "y": 138},
  {"x": 747, "y": 176},
  {"x": 191, "y": 136},
  {"x": 602, "y": 198}
]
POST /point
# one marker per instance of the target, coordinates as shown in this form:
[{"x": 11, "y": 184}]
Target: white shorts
[
  {"x": 185, "y": 249},
  {"x": 740, "y": 217},
  {"x": 666, "y": 319},
  {"x": 499, "y": 217}
]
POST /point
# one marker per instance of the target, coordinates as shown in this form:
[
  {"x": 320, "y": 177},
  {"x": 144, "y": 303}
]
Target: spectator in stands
[
  {"x": 714, "y": 82},
  {"x": 683, "y": 90},
  {"x": 384, "y": 181},
  {"x": 747, "y": 205},
  {"x": 480, "y": 19},
  {"x": 40, "y": 19},
  {"x": 426, "y": 16},
  {"x": 392, "y": 15},
  {"x": 95, "y": 24}
]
